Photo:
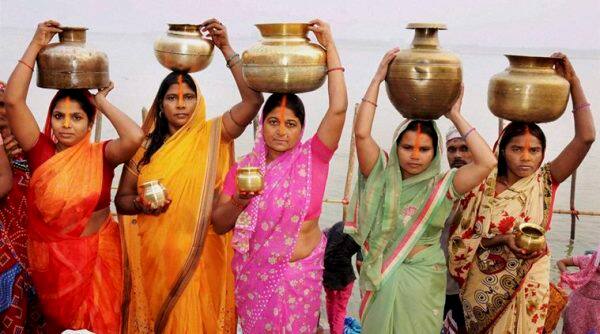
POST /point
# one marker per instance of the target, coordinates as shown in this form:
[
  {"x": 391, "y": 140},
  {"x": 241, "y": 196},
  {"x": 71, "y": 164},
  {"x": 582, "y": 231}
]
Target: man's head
[{"x": 457, "y": 150}]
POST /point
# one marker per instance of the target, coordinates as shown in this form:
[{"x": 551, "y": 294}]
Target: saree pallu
[
  {"x": 178, "y": 270},
  {"x": 500, "y": 292},
  {"x": 78, "y": 279}
]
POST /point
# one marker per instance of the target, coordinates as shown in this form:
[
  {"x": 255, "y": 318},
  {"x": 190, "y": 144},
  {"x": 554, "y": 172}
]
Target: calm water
[{"x": 137, "y": 75}]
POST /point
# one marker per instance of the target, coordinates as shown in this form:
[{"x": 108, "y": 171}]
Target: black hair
[
  {"x": 427, "y": 128},
  {"x": 81, "y": 96},
  {"x": 159, "y": 134},
  {"x": 515, "y": 129},
  {"x": 293, "y": 103}
]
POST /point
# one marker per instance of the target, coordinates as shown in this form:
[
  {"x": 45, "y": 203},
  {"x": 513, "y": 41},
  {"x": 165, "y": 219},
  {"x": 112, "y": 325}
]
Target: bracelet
[
  {"x": 581, "y": 106},
  {"x": 468, "y": 133},
  {"x": 237, "y": 204},
  {"x": 228, "y": 61},
  {"x": 239, "y": 60},
  {"x": 234, "y": 121},
  {"x": 27, "y": 65},
  {"x": 369, "y": 101},
  {"x": 336, "y": 69}
]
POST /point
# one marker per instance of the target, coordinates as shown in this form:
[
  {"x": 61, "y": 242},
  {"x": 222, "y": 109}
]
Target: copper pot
[
  {"x": 284, "y": 61},
  {"x": 70, "y": 64},
  {"x": 422, "y": 82},
  {"x": 529, "y": 90},
  {"x": 249, "y": 180},
  {"x": 183, "y": 48},
  {"x": 531, "y": 237},
  {"x": 154, "y": 193}
]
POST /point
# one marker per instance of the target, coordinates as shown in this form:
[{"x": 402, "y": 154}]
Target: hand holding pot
[
  {"x": 102, "y": 93},
  {"x": 564, "y": 67},
  {"x": 148, "y": 208},
  {"x": 455, "y": 109},
  {"x": 385, "y": 64},
  {"x": 510, "y": 242},
  {"x": 44, "y": 33},
  {"x": 322, "y": 31},
  {"x": 217, "y": 33}
]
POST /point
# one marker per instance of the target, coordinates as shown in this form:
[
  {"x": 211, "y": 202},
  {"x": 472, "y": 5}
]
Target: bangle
[
  {"x": 237, "y": 204},
  {"x": 581, "y": 106},
  {"x": 336, "y": 69},
  {"x": 369, "y": 102},
  {"x": 468, "y": 133},
  {"x": 228, "y": 61},
  {"x": 27, "y": 65}
]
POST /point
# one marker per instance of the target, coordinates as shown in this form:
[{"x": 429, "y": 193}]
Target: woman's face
[
  {"x": 70, "y": 123},
  {"x": 523, "y": 155},
  {"x": 281, "y": 130},
  {"x": 178, "y": 110},
  {"x": 415, "y": 153}
]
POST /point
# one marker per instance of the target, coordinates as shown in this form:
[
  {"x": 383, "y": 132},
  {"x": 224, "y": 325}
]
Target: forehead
[
  {"x": 525, "y": 139},
  {"x": 74, "y": 106},
  {"x": 456, "y": 142},
  {"x": 410, "y": 138},
  {"x": 174, "y": 88},
  {"x": 288, "y": 114}
]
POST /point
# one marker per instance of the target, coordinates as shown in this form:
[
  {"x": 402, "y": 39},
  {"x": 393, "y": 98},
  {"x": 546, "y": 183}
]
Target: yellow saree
[{"x": 178, "y": 270}]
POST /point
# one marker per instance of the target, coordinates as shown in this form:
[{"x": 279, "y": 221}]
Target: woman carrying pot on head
[
  {"x": 74, "y": 246},
  {"x": 178, "y": 268},
  {"x": 503, "y": 287},
  {"x": 398, "y": 212},
  {"x": 279, "y": 248}
]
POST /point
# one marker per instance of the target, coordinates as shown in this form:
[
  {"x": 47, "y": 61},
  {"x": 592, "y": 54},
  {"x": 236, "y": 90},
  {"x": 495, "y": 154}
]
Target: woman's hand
[
  {"x": 11, "y": 146},
  {"x": 246, "y": 196},
  {"x": 385, "y": 64},
  {"x": 455, "y": 109},
  {"x": 510, "y": 241},
  {"x": 148, "y": 208},
  {"x": 564, "y": 67},
  {"x": 102, "y": 93},
  {"x": 44, "y": 33},
  {"x": 322, "y": 31},
  {"x": 217, "y": 33}
]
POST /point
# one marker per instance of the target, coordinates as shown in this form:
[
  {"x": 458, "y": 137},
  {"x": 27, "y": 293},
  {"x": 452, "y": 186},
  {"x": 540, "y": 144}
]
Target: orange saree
[{"x": 78, "y": 279}]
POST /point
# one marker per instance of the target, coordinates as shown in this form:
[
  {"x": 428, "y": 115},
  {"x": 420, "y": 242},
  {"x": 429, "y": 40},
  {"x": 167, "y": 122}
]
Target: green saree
[{"x": 389, "y": 216}]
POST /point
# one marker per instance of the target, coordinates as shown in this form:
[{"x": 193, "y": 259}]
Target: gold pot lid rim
[
  {"x": 283, "y": 28},
  {"x": 79, "y": 28},
  {"x": 532, "y": 225},
  {"x": 421, "y": 25},
  {"x": 178, "y": 26},
  {"x": 530, "y": 56}
]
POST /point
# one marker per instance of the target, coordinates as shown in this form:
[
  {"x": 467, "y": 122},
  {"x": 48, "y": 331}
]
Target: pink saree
[{"x": 274, "y": 295}]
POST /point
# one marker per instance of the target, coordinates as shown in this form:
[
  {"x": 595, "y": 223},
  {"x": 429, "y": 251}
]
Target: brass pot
[
  {"x": 531, "y": 237},
  {"x": 529, "y": 90},
  {"x": 422, "y": 82},
  {"x": 284, "y": 61},
  {"x": 249, "y": 180},
  {"x": 183, "y": 48},
  {"x": 154, "y": 193},
  {"x": 70, "y": 64}
]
